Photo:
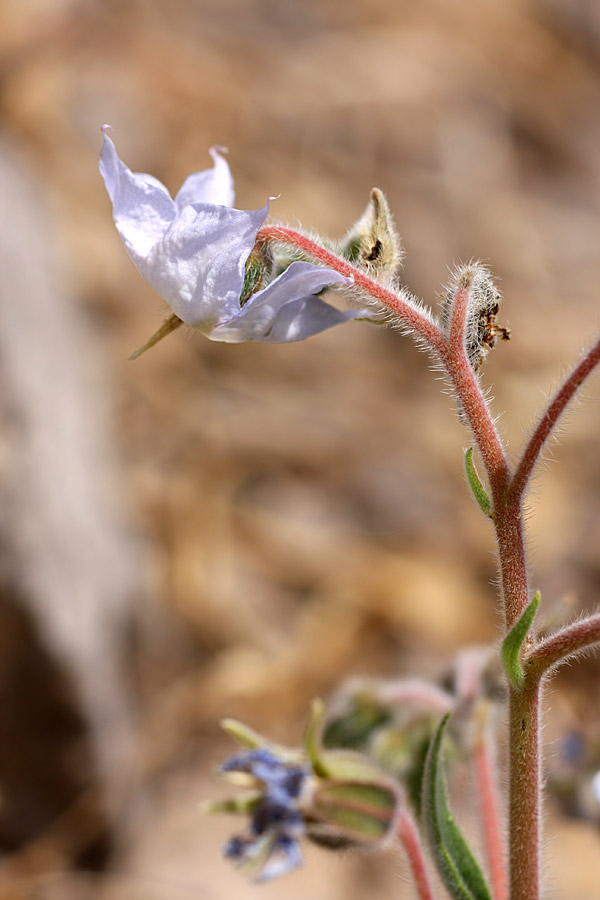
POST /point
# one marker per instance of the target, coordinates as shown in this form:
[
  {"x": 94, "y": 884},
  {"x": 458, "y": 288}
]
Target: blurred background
[{"x": 231, "y": 530}]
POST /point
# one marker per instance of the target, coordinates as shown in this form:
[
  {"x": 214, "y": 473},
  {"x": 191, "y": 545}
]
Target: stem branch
[
  {"x": 550, "y": 417},
  {"x": 565, "y": 643}
]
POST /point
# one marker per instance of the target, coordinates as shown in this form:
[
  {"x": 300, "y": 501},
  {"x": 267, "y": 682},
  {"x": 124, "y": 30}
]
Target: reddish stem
[
  {"x": 507, "y": 517},
  {"x": 423, "y": 326},
  {"x": 471, "y": 396},
  {"x": 411, "y": 841},
  {"x": 550, "y": 417},
  {"x": 490, "y": 813},
  {"x": 452, "y": 352},
  {"x": 525, "y": 791},
  {"x": 565, "y": 643},
  {"x": 415, "y": 692}
]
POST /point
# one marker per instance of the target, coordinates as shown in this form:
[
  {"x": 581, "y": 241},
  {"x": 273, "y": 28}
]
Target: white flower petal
[
  {"x": 142, "y": 206},
  {"x": 198, "y": 266},
  {"x": 193, "y": 252},
  {"x": 211, "y": 186},
  {"x": 287, "y": 310},
  {"x": 301, "y": 319}
]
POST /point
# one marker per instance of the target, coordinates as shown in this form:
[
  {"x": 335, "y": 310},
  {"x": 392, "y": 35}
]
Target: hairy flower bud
[
  {"x": 481, "y": 332},
  {"x": 372, "y": 243}
]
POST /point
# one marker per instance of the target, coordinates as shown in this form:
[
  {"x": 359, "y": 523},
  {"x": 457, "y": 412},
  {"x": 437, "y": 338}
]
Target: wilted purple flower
[
  {"x": 193, "y": 250},
  {"x": 276, "y": 823},
  {"x": 337, "y": 799}
]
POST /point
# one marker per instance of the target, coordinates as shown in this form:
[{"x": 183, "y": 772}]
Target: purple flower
[
  {"x": 271, "y": 847},
  {"x": 193, "y": 250}
]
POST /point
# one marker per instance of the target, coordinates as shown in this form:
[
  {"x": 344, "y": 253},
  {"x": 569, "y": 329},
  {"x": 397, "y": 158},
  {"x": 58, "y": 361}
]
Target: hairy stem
[
  {"x": 411, "y": 841},
  {"x": 567, "y": 642},
  {"x": 471, "y": 396},
  {"x": 512, "y": 561},
  {"x": 420, "y": 324},
  {"x": 550, "y": 417},
  {"x": 507, "y": 516},
  {"x": 524, "y": 791}
]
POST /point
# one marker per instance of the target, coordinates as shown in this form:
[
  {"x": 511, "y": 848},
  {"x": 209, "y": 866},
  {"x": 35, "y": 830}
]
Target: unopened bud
[
  {"x": 372, "y": 243},
  {"x": 482, "y": 331}
]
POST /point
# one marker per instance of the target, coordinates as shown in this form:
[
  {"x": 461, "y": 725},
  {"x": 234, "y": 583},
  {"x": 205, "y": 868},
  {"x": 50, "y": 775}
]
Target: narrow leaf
[
  {"x": 458, "y": 868},
  {"x": 512, "y": 643},
  {"x": 476, "y": 486}
]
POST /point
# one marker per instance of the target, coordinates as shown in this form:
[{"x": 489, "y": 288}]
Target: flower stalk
[
  {"x": 410, "y": 839},
  {"x": 489, "y": 805}
]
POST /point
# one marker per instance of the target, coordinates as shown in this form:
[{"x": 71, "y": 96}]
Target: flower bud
[
  {"x": 481, "y": 332},
  {"x": 372, "y": 243}
]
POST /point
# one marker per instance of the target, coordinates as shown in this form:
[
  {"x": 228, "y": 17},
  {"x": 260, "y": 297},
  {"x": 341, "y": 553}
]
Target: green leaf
[
  {"x": 458, "y": 868},
  {"x": 512, "y": 643},
  {"x": 476, "y": 486}
]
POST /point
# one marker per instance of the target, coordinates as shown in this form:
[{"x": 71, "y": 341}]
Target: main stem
[
  {"x": 525, "y": 793},
  {"x": 524, "y": 730}
]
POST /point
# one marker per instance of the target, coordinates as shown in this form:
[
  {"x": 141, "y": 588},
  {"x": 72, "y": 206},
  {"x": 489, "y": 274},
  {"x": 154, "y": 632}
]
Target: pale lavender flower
[{"x": 193, "y": 251}]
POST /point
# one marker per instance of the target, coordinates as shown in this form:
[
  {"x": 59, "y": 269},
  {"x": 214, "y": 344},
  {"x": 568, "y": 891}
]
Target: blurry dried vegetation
[{"x": 286, "y": 515}]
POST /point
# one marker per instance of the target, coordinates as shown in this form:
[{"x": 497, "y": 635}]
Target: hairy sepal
[{"x": 481, "y": 330}]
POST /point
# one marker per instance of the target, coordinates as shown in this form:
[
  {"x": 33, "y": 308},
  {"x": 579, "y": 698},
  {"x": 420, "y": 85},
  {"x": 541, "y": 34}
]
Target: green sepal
[
  {"x": 167, "y": 327},
  {"x": 312, "y": 738},
  {"x": 243, "y": 734},
  {"x": 457, "y": 867},
  {"x": 243, "y": 804},
  {"x": 358, "y": 812},
  {"x": 259, "y": 266},
  {"x": 512, "y": 643},
  {"x": 479, "y": 492}
]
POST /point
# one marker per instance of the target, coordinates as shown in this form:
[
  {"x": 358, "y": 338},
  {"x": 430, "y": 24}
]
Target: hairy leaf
[
  {"x": 476, "y": 486},
  {"x": 512, "y": 643},
  {"x": 458, "y": 868}
]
